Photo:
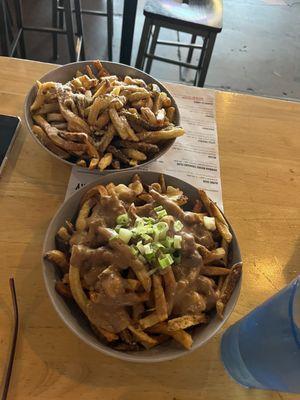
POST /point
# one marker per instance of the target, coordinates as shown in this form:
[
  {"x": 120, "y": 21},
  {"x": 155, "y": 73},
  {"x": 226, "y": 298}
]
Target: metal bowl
[
  {"x": 67, "y": 72},
  {"x": 70, "y": 312}
]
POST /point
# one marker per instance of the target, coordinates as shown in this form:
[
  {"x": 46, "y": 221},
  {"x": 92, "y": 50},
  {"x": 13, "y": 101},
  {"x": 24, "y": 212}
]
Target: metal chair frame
[
  {"x": 208, "y": 36},
  {"x": 18, "y": 40},
  {"x": 58, "y": 11}
]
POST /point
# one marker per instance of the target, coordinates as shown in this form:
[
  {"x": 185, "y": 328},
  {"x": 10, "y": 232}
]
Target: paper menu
[{"x": 194, "y": 157}]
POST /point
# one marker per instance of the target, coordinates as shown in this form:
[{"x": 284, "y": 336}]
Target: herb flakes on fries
[
  {"x": 141, "y": 268},
  {"x": 100, "y": 121}
]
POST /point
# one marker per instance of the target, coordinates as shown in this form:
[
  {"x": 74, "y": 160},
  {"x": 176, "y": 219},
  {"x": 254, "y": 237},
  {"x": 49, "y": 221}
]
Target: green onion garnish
[
  {"x": 161, "y": 214},
  {"x": 158, "y": 208},
  {"x": 125, "y": 235},
  {"x": 123, "y": 219},
  {"x": 177, "y": 241},
  {"x": 178, "y": 225},
  {"x": 166, "y": 261}
]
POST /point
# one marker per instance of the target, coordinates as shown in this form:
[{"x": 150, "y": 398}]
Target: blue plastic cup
[{"x": 262, "y": 350}]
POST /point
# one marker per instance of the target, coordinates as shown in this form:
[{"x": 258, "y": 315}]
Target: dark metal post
[
  {"x": 129, "y": 12},
  {"x": 19, "y": 20},
  {"x": 152, "y": 48},
  {"x": 77, "y": 5},
  {"x": 207, "y": 49},
  {"x": 110, "y": 28},
  {"x": 69, "y": 28}
]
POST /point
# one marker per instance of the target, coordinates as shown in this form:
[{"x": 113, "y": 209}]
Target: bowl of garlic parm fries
[
  {"x": 103, "y": 116},
  {"x": 143, "y": 267}
]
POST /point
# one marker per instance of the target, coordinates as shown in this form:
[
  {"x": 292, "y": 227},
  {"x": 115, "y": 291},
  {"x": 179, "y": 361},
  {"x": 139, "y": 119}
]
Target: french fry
[
  {"x": 158, "y": 136},
  {"x": 105, "y": 161},
  {"x": 161, "y": 307},
  {"x": 213, "y": 255},
  {"x": 94, "y": 163},
  {"x": 186, "y": 321},
  {"x": 170, "y": 288},
  {"x": 170, "y": 113},
  {"x": 58, "y": 258},
  {"x": 55, "y": 117},
  {"x": 81, "y": 221},
  {"x": 44, "y": 139},
  {"x": 142, "y": 337},
  {"x": 103, "y": 120},
  {"x": 180, "y": 336},
  {"x": 135, "y": 154},
  {"x": 214, "y": 271},
  {"x": 221, "y": 223}
]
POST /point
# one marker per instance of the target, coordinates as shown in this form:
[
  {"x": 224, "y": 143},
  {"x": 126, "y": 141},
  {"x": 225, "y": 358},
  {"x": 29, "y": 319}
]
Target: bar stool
[
  {"x": 199, "y": 18},
  {"x": 11, "y": 44},
  {"x": 57, "y": 21}
]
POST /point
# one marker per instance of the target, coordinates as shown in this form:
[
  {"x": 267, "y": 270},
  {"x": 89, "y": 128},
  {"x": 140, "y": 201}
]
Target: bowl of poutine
[
  {"x": 102, "y": 116},
  {"x": 143, "y": 267}
]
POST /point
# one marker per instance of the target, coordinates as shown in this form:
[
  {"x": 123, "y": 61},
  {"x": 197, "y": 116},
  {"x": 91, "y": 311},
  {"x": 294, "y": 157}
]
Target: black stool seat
[{"x": 201, "y": 14}]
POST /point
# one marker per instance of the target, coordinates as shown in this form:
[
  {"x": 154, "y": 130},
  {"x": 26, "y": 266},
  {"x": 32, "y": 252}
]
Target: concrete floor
[{"x": 258, "y": 50}]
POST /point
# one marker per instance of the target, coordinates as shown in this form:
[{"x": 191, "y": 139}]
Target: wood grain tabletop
[{"x": 259, "y": 144}]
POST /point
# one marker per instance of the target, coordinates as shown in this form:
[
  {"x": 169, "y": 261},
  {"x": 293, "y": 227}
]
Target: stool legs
[
  {"x": 19, "y": 21},
  {"x": 143, "y": 44},
  {"x": 191, "y": 49},
  {"x": 54, "y": 25},
  {"x": 207, "y": 50},
  {"x": 152, "y": 48},
  {"x": 78, "y": 15},
  {"x": 110, "y": 29},
  {"x": 69, "y": 28},
  {"x": 3, "y": 29}
]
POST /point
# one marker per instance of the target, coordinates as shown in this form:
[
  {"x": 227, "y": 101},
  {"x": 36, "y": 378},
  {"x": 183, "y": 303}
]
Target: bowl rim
[
  {"x": 28, "y": 118},
  {"x": 103, "y": 348}
]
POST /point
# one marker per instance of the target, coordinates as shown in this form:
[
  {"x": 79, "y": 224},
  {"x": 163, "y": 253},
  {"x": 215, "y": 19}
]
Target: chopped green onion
[
  {"x": 158, "y": 208},
  {"x": 146, "y": 237},
  {"x": 134, "y": 250},
  {"x": 149, "y": 220},
  {"x": 125, "y": 235},
  {"x": 177, "y": 241},
  {"x": 148, "y": 249},
  {"x": 140, "y": 247},
  {"x": 166, "y": 261},
  {"x": 139, "y": 222},
  {"x": 161, "y": 214},
  {"x": 123, "y": 219},
  {"x": 178, "y": 225},
  {"x": 168, "y": 242}
]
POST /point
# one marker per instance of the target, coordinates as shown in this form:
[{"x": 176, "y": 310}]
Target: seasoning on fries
[
  {"x": 141, "y": 268},
  {"x": 81, "y": 119}
]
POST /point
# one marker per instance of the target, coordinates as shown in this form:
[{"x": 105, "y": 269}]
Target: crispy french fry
[
  {"x": 180, "y": 336},
  {"x": 135, "y": 154},
  {"x": 103, "y": 120},
  {"x": 171, "y": 111},
  {"x": 170, "y": 288},
  {"x": 205, "y": 200},
  {"x": 58, "y": 258},
  {"x": 81, "y": 221},
  {"x": 55, "y": 117},
  {"x": 94, "y": 163},
  {"x": 186, "y": 321},
  {"x": 214, "y": 271},
  {"x": 161, "y": 307},
  {"x": 105, "y": 161},
  {"x": 221, "y": 223},
  {"x": 158, "y": 136},
  {"x": 44, "y": 139},
  {"x": 213, "y": 255},
  {"x": 142, "y": 337}
]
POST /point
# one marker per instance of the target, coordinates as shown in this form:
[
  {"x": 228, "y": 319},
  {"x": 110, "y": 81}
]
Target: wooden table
[{"x": 259, "y": 148}]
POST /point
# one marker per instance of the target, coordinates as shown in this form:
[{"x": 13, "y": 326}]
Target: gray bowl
[
  {"x": 76, "y": 321},
  {"x": 67, "y": 72}
]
